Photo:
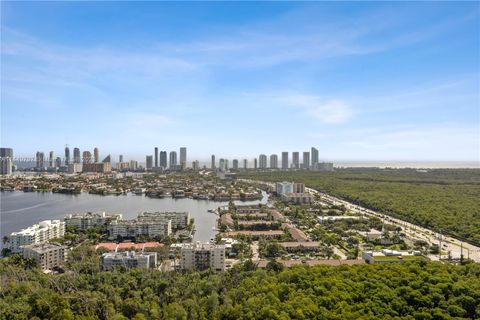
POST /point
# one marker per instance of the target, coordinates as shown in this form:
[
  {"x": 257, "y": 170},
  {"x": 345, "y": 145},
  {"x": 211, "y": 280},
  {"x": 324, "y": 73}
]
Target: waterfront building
[
  {"x": 284, "y": 160},
  {"x": 173, "y": 160},
  {"x": 212, "y": 166},
  {"x": 262, "y": 161},
  {"x": 273, "y": 161},
  {"x": 149, "y": 162},
  {"x": 150, "y": 228},
  {"x": 96, "y": 155},
  {"x": 51, "y": 159},
  {"x": 129, "y": 259},
  {"x": 40, "y": 158},
  {"x": 296, "y": 160},
  {"x": 6, "y": 165},
  {"x": 155, "y": 154},
  {"x": 47, "y": 255},
  {"x": 38, "y": 233},
  {"x": 306, "y": 160},
  {"x": 283, "y": 187},
  {"x": 202, "y": 256},
  {"x": 67, "y": 156},
  {"x": 180, "y": 220},
  {"x": 314, "y": 153},
  {"x": 87, "y": 157},
  {"x": 76, "y": 155},
  {"x": 163, "y": 159},
  {"x": 235, "y": 164},
  {"x": 86, "y": 220},
  {"x": 183, "y": 157}
]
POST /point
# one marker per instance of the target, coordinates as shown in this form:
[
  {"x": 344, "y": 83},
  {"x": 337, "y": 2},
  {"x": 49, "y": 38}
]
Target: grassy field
[{"x": 446, "y": 200}]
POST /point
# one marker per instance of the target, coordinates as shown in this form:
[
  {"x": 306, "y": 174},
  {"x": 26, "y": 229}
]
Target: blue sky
[{"x": 360, "y": 81}]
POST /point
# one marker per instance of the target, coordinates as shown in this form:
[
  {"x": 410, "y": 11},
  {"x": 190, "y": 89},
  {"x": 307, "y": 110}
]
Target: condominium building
[
  {"x": 75, "y": 167},
  {"x": 86, "y": 220},
  {"x": 297, "y": 198},
  {"x": 149, "y": 162},
  {"x": 183, "y": 157},
  {"x": 283, "y": 187},
  {"x": 134, "y": 228},
  {"x": 306, "y": 160},
  {"x": 273, "y": 161},
  {"x": 314, "y": 153},
  {"x": 38, "y": 233},
  {"x": 101, "y": 167},
  {"x": 46, "y": 255},
  {"x": 129, "y": 259},
  {"x": 6, "y": 164},
  {"x": 163, "y": 159},
  {"x": 212, "y": 165},
  {"x": 262, "y": 161},
  {"x": 284, "y": 160},
  {"x": 173, "y": 160},
  {"x": 235, "y": 164},
  {"x": 296, "y": 160},
  {"x": 202, "y": 256},
  {"x": 180, "y": 220},
  {"x": 298, "y": 188}
]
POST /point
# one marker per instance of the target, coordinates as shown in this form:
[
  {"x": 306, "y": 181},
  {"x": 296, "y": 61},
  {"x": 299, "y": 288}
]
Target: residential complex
[
  {"x": 202, "y": 256},
  {"x": 83, "y": 221},
  {"x": 38, "y": 233},
  {"x": 47, "y": 255},
  {"x": 129, "y": 259}
]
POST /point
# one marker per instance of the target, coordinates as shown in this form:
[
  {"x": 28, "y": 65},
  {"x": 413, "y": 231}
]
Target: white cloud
[{"x": 325, "y": 110}]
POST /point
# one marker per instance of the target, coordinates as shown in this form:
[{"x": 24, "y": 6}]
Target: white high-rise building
[
  {"x": 273, "y": 161},
  {"x": 314, "y": 153},
  {"x": 202, "y": 256},
  {"x": 86, "y": 220},
  {"x": 38, "y": 233},
  {"x": 6, "y": 165}
]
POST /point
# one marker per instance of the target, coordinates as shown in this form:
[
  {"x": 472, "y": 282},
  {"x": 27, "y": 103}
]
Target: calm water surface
[{"x": 20, "y": 209}]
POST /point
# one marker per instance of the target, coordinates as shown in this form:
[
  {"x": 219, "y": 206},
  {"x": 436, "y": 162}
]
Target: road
[{"x": 447, "y": 243}]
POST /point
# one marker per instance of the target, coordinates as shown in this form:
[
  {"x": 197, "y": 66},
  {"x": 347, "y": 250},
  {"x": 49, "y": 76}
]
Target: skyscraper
[
  {"x": 285, "y": 160},
  {"x": 314, "y": 157},
  {"x": 76, "y": 155},
  {"x": 296, "y": 160},
  {"x": 40, "y": 158},
  {"x": 96, "y": 155},
  {"x": 156, "y": 157},
  {"x": 173, "y": 159},
  {"x": 245, "y": 164},
  {"x": 87, "y": 157},
  {"x": 6, "y": 164},
  {"x": 6, "y": 152},
  {"x": 163, "y": 159},
  {"x": 183, "y": 157},
  {"x": 67, "y": 156},
  {"x": 235, "y": 164},
  {"x": 262, "y": 161},
  {"x": 273, "y": 161},
  {"x": 212, "y": 166},
  {"x": 58, "y": 162},
  {"x": 221, "y": 164},
  {"x": 51, "y": 159},
  {"x": 306, "y": 160},
  {"x": 149, "y": 162},
  {"x": 120, "y": 158},
  {"x": 6, "y": 161},
  {"x": 255, "y": 163}
]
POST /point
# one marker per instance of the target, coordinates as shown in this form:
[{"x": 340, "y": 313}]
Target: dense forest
[
  {"x": 446, "y": 200},
  {"x": 415, "y": 290}
]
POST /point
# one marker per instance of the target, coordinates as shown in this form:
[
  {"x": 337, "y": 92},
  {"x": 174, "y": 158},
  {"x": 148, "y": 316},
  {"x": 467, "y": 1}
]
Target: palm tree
[{"x": 5, "y": 239}]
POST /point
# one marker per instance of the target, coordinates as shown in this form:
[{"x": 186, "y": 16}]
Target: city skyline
[{"x": 282, "y": 75}]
